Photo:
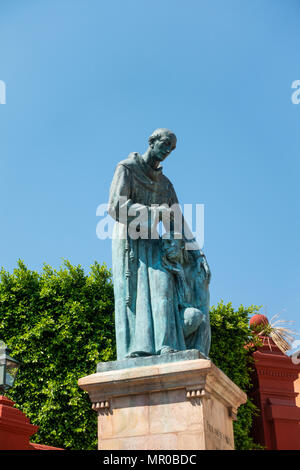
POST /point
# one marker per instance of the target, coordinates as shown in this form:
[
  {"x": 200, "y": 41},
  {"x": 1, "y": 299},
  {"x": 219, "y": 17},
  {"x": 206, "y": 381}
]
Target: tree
[{"x": 59, "y": 324}]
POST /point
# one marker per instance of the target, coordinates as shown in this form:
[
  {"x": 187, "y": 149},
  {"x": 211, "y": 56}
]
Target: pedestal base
[{"x": 177, "y": 405}]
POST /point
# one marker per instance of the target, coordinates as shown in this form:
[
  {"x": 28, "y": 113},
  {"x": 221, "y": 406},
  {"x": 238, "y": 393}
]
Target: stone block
[{"x": 181, "y": 405}]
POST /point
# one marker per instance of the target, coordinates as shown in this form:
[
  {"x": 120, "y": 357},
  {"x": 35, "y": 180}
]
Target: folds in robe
[{"x": 147, "y": 311}]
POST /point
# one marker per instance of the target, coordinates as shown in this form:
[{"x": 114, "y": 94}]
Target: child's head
[{"x": 173, "y": 247}]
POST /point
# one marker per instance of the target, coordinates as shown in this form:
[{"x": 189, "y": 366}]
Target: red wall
[
  {"x": 16, "y": 429},
  {"x": 278, "y": 426}
]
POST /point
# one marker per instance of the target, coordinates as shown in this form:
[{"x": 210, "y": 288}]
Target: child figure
[{"x": 192, "y": 275}]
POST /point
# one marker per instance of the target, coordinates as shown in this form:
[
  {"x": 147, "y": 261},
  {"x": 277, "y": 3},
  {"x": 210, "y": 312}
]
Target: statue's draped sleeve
[
  {"x": 120, "y": 201},
  {"x": 120, "y": 192}
]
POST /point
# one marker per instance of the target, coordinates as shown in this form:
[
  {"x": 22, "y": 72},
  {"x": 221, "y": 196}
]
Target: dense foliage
[
  {"x": 59, "y": 324},
  {"x": 230, "y": 334}
]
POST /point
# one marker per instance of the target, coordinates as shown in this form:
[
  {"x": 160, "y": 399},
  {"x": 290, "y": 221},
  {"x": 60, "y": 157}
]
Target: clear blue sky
[{"x": 89, "y": 80}]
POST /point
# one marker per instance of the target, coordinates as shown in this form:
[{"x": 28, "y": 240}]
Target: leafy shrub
[
  {"x": 230, "y": 334},
  {"x": 59, "y": 324}
]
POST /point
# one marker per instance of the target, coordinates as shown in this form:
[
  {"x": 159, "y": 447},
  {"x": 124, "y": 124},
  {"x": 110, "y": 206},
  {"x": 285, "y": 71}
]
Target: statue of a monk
[{"x": 160, "y": 287}]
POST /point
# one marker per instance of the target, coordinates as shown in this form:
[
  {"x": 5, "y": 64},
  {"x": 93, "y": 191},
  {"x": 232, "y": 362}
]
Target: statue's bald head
[{"x": 162, "y": 133}]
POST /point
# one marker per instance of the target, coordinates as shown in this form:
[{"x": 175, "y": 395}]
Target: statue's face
[
  {"x": 163, "y": 146},
  {"x": 172, "y": 248}
]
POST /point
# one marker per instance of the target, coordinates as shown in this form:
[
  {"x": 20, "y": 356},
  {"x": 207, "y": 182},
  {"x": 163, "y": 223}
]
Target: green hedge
[
  {"x": 59, "y": 324},
  {"x": 230, "y": 333}
]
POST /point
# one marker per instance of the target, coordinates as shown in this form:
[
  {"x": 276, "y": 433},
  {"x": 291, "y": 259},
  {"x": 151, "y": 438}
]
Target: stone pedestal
[{"x": 188, "y": 404}]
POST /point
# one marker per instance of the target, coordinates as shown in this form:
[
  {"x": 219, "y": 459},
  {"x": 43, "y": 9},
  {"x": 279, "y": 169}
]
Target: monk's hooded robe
[{"x": 147, "y": 317}]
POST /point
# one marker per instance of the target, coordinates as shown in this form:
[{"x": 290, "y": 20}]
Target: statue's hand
[
  {"x": 160, "y": 214},
  {"x": 149, "y": 217},
  {"x": 164, "y": 213}
]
